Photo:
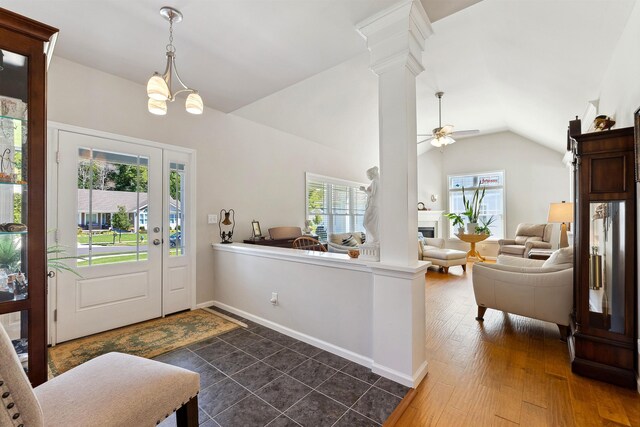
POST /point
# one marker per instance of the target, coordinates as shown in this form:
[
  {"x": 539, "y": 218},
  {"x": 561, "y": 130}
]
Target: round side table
[{"x": 472, "y": 239}]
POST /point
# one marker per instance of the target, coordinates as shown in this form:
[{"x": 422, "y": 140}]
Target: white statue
[{"x": 371, "y": 211}]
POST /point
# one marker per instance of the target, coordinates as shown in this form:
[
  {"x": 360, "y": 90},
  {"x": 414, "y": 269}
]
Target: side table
[
  {"x": 539, "y": 254},
  {"x": 472, "y": 239}
]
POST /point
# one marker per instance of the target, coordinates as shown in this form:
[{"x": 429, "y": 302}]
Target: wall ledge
[{"x": 328, "y": 259}]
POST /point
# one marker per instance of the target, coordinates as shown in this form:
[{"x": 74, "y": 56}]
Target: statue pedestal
[{"x": 370, "y": 251}]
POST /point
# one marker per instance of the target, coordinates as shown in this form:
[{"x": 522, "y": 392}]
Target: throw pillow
[
  {"x": 363, "y": 238},
  {"x": 561, "y": 256},
  {"x": 521, "y": 240},
  {"x": 350, "y": 241}
]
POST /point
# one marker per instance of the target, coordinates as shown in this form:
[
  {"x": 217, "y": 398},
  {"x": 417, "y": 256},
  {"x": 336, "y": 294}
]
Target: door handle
[{"x": 157, "y": 242}]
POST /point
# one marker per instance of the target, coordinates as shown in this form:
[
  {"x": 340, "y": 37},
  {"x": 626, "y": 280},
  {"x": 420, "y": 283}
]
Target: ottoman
[{"x": 445, "y": 258}]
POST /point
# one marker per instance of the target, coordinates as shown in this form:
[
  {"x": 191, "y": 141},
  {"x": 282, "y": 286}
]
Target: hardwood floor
[{"x": 506, "y": 371}]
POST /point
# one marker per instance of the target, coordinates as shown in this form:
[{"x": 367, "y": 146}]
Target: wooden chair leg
[
  {"x": 481, "y": 311},
  {"x": 187, "y": 414},
  {"x": 446, "y": 270},
  {"x": 564, "y": 332},
  {"x": 464, "y": 267}
]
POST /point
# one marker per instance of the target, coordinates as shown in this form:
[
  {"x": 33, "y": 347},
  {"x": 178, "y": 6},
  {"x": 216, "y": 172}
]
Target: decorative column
[{"x": 395, "y": 38}]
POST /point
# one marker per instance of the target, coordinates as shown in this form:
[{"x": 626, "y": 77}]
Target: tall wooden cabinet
[
  {"x": 23, "y": 235},
  {"x": 603, "y": 344}
]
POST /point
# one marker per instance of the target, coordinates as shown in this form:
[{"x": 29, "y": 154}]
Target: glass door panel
[
  {"x": 112, "y": 207},
  {"x": 176, "y": 212},
  {"x": 607, "y": 265}
]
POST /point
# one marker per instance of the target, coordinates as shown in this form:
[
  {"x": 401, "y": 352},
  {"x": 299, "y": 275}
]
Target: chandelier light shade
[
  {"x": 442, "y": 140},
  {"x": 159, "y": 108},
  {"x": 194, "y": 103},
  {"x": 159, "y": 85}
]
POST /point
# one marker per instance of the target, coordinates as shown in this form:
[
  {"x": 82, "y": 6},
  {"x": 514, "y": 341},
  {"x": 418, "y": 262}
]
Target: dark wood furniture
[
  {"x": 307, "y": 243},
  {"x": 23, "y": 188},
  {"x": 604, "y": 332},
  {"x": 280, "y": 243}
]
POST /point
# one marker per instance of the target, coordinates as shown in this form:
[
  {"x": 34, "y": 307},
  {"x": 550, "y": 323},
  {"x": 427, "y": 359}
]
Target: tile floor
[{"x": 259, "y": 377}]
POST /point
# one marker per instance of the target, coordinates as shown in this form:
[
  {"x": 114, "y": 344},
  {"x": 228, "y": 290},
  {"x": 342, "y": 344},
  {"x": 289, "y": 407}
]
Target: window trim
[
  {"x": 491, "y": 239},
  {"x": 329, "y": 180}
]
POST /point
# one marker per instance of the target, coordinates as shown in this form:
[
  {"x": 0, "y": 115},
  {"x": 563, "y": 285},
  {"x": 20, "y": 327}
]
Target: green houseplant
[
  {"x": 457, "y": 221},
  {"x": 483, "y": 228},
  {"x": 9, "y": 254},
  {"x": 472, "y": 207}
]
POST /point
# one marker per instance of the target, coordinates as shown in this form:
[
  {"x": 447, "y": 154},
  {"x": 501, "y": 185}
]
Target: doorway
[{"x": 122, "y": 223}]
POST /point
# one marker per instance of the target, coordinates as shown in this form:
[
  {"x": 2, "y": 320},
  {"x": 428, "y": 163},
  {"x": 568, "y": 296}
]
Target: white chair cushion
[
  {"x": 446, "y": 254},
  {"x": 116, "y": 389},
  {"x": 561, "y": 256}
]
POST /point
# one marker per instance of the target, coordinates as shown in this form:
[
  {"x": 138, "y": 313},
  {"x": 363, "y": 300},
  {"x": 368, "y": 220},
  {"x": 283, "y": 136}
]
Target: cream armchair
[
  {"x": 538, "y": 289},
  {"x": 528, "y": 236}
]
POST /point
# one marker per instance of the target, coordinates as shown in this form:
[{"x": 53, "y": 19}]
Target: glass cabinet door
[
  {"x": 14, "y": 78},
  {"x": 607, "y": 265}
]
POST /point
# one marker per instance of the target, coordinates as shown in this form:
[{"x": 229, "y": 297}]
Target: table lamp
[{"x": 563, "y": 213}]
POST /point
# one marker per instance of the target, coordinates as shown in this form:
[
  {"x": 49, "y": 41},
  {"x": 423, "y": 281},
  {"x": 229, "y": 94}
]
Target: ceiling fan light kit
[
  {"x": 441, "y": 135},
  {"x": 159, "y": 85}
]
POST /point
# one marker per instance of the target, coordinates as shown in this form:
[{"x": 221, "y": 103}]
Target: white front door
[{"x": 110, "y": 213}]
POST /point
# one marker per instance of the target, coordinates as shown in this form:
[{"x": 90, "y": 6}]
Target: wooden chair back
[{"x": 308, "y": 244}]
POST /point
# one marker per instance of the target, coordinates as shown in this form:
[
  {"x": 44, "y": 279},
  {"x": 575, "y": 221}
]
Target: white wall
[
  {"x": 256, "y": 170},
  {"x": 534, "y": 177},
  {"x": 430, "y": 179}
]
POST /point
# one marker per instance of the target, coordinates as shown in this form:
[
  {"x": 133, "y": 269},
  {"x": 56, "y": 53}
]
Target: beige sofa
[
  {"x": 334, "y": 244},
  {"x": 528, "y": 236},
  {"x": 538, "y": 289},
  {"x": 432, "y": 249}
]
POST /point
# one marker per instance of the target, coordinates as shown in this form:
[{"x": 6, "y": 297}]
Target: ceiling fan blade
[
  {"x": 465, "y": 132},
  {"x": 446, "y": 129}
]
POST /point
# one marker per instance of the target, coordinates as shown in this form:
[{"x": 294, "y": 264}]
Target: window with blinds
[
  {"x": 492, "y": 204},
  {"x": 334, "y": 206}
]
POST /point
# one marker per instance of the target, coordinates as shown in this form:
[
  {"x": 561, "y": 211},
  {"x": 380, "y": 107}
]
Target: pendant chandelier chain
[{"x": 170, "y": 46}]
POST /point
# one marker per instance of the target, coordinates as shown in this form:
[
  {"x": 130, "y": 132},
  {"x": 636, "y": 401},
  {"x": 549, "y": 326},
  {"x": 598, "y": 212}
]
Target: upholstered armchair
[
  {"x": 538, "y": 289},
  {"x": 528, "y": 236},
  {"x": 114, "y": 389}
]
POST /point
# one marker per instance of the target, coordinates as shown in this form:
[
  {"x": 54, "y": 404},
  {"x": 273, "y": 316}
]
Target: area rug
[{"x": 147, "y": 339}]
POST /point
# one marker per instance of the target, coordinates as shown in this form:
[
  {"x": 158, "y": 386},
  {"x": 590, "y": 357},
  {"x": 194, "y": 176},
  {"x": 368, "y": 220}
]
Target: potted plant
[
  {"x": 457, "y": 221},
  {"x": 9, "y": 254},
  {"x": 484, "y": 227},
  {"x": 472, "y": 208}
]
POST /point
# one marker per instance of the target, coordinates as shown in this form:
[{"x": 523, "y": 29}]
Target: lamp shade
[
  {"x": 194, "y": 103},
  {"x": 157, "y": 88},
  {"x": 560, "y": 212},
  {"x": 159, "y": 108}
]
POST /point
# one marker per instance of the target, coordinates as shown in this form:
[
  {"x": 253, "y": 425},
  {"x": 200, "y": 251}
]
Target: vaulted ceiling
[{"x": 300, "y": 66}]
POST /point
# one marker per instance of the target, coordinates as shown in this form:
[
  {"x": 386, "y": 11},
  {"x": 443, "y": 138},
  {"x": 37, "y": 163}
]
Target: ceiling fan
[{"x": 441, "y": 135}]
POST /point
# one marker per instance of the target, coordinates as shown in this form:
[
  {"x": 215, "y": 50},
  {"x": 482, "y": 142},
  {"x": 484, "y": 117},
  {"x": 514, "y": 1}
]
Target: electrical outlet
[
  {"x": 212, "y": 219},
  {"x": 274, "y": 298}
]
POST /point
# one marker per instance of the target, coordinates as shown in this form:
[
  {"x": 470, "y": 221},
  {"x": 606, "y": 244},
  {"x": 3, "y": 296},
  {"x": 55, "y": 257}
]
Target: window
[
  {"x": 334, "y": 206},
  {"x": 492, "y": 204}
]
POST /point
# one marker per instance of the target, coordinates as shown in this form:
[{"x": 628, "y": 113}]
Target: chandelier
[{"x": 159, "y": 85}]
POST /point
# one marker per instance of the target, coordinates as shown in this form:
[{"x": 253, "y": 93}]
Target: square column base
[{"x": 399, "y": 322}]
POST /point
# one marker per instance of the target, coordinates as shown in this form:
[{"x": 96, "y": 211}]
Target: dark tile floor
[{"x": 259, "y": 377}]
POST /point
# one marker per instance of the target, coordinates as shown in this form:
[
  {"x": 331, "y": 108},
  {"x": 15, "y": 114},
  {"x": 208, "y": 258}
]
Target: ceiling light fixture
[{"x": 159, "y": 85}]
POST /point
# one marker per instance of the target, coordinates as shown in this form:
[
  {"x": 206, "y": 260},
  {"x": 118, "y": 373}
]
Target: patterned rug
[{"x": 147, "y": 339}]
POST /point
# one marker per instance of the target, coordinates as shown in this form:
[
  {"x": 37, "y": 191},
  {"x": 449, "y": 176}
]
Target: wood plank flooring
[{"x": 506, "y": 371}]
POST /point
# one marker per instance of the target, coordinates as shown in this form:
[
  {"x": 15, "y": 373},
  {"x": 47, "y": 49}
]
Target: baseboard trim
[
  {"x": 331, "y": 348},
  {"x": 204, "y": 304},
  {"x": 401, "y": 378}
]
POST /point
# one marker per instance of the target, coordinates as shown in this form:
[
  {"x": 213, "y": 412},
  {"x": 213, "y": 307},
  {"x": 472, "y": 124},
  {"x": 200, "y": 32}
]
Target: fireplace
[{"x": 427, "y": 231}]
